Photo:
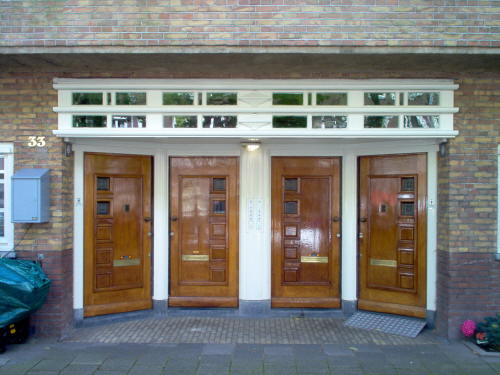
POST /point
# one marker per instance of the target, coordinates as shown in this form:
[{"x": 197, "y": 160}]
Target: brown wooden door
[
  {"x": 204, "y": 231},
  {"x": 392, "y": 231},
  {"x": 117, "y": 233},
  {"x": 305, "y": 231}
]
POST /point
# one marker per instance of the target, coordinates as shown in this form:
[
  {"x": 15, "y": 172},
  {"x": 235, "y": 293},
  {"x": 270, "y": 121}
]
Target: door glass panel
[
  {"x": 180, "y": 121},
  {"x": 429, "y": 122},
  {"x": 381, "y": 121},
  {"x": 89, "y": 121},
  {"x": 331, "y": 98},
  {"x": 380, "y": 98},
  {"x": 291, "y": 208},
  {"x": 129, "y": 122},
  {"x": 2, "y": 195},
  {"x": 103, "y": 183},
  {"x": 87, "y": 98},
  {"x": 423, "y": 98},
  {"x": 103, "y": 208},
  {"x": 287, "y": 98},
  {"x": 407, "y": 208},
  {"x": 178, "y": 98},
  {"x": 408, "y": 184},
  {"x": 291, "y": 184},
  {"x": 329, "y": 122},
  {"x": 289, "y": 122},
  {"x": 2, "y": 225},
  {"x": 130, "y": 98},
  {"x": 222, "y": 98},
  {"x": 219, "y": 207},
  {"x": 219, "y": 184}
]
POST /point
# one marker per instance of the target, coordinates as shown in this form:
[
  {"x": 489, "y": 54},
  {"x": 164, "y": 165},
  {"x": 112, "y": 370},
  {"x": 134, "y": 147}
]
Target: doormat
[{"x": 394, "y": 324}]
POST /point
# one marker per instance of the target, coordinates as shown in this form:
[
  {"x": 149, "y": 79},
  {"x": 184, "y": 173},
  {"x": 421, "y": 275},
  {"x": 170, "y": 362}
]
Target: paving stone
[
  {"x": 117, "y": 364},
  {"x": 218, "y": 349},
  {"x": 337, "y": 350},
  {"x": 18, "y": 368},
  {"x": 342, "y": 361},
  {"x": 31, "y": 372},
  {"x": 78, "y": 369},
  {"x": 108, "y": 372},
  {"x": 351, "y": 370},
  {"x": 90, "y": 358},
  {"x": 50, "y": 365},
  {"x": 3, "y": 361},
  {"x": 377, "y": 369},
  {"x": 278, "y": 350},
  {"x": 479, "y": 370}
]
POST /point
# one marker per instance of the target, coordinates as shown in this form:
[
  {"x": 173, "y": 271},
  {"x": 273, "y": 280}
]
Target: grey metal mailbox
[{"x": 31, "y": 195}]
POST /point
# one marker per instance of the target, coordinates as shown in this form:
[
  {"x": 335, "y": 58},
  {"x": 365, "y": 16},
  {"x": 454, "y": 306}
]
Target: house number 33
[{"x": 36, "y": 141}]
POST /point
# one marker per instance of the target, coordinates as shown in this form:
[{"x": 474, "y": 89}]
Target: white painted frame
[
  {"x": 498, "y": 204},
  {"x": 255, "y": 183},
  {"x": 7, "y": 241}
]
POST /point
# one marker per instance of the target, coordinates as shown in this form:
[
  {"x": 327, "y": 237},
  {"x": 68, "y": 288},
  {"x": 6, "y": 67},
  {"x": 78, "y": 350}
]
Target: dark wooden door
[
  {"x": 392, "y": 231},
  {"x": 117, "y": 233},
  {"x": 204, "y": 231},
  {"x": 305, "y": 232}
]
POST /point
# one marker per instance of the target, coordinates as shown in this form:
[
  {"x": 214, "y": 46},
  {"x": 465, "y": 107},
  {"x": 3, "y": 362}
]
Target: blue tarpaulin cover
[{"x": 23, "y": 289}]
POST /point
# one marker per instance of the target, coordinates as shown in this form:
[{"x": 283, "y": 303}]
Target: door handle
[
  {"x": 172, "y": 234},
  {"x": 150, "y": 234},
  {"x": 338, "y": 235},
  {"x": 361, "y": 235},
  {"x": 363, "y": 219}
]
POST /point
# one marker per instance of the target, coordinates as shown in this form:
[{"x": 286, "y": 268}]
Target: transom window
[{"x": 312, "y": 107}]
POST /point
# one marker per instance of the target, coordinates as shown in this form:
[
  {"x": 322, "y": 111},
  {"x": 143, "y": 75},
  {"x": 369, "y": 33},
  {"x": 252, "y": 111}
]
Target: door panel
[
  {"x": 204, "y": 231},
  {"x": 392, "y": 244},
  {"x": 306, "y": 230},
  {"x": 117, "y": 222}
]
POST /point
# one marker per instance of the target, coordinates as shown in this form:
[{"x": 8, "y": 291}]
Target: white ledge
[{"x": 261, "y": 134}]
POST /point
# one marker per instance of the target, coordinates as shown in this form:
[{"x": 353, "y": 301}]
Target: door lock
[
  {"x": 150, "y": 234},
  {"x": 361, "y": 235},
  {"x": 338, "y": 235},
  {"x": 172, "y": 234}
]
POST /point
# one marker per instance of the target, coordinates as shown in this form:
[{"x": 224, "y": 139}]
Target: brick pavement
[{"x": 194, "y": 346}]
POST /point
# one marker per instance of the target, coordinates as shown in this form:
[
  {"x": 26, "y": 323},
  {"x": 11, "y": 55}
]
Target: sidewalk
[{"x": 192, "y": 345}]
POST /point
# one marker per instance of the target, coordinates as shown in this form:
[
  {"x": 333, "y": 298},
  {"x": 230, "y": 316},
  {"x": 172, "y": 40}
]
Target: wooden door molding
[
  {"x": 204, "y": 231},
  {"x": 306, "y": 228},
  {"x": 393, "y": 234},
  {"x": 117, "y": 223}
]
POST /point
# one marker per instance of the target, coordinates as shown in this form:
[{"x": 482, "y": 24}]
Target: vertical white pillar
[
  {"x": 349, "y": 228},
  {"x": 78, "y": 232},
  {"x": 431, "y": 230},
  {"x": 161, "y": 229},
  {"x": 255, "y": 244}
]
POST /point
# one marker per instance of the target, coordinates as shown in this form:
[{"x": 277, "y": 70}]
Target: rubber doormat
[{"x": 396, "y": 325}]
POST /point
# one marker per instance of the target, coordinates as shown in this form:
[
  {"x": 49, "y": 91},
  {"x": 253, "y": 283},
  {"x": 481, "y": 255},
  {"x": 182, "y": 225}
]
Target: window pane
[
  {"x": 180, "y": 121},
  {"x": 282, "y": 98},
  {"x": 87, "y": 98},
  {"x": 407, "y": 208},
  {"x": 429, "y": 122},
  {"x": 2, "y": 195},
  {"x": 178, "y": 98},
  {"x": 408, "y": 184},
  {"x": 2, "y": 165},
  {"x": 333, "y": 98},
  {"x": 222, "y": 98},
  {"x": 291, "y": 208},
  {"x": 129, "y": 122},
  {"x": 329, "y": 122},
  {"x": 219, "y": 121},
  {"x": 423, "y": 98},
  {"x": 103, "y": 208},
  {"x": 89, "y": 121},
  {"x": 103, "y": 183},
  {"x": 219, "y": 184},
  {"x": 381, "y": 121},
  {"x": 130, "y": 98},
  {"x": 380, "y": 98},
  {"x": 289, "y": 122},
  {"x": 2, "y": 225},
  {"x": 291, "y": 184},
  {"x": 219, "y": 207}
]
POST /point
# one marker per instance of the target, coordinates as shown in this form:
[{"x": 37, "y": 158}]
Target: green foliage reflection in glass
[
  {"x": 289, "y": 122},
  {"x": 380, "y": 98},
  {"x": 180, "y": 121},
  {"x": 130, "y": 98},
  {"x": 286, "y": 98},
  {"x": 339, "y": 98},
  {"x": 381, "y": 121},
  {"x": 219, "y": 121},
  {"x": 89, "y": 121},
  {"x": 178, "y": 98},
  {"x": 423, "y": 98},
  {"x": 429, "y": 122},
  {"x": 222, "y": 98},
  {"x": 87, "y": 98}
]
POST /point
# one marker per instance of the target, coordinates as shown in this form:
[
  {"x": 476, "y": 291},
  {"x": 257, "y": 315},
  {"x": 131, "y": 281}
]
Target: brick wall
[
  {"x": 467, "y": 274},
  {"x": 27, "y": 100},
  {"x": 424, "y": 23}
]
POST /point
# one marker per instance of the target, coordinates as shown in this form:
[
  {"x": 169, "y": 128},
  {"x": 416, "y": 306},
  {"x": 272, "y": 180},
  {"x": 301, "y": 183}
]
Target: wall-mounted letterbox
[{"x": 31, "y": 195}]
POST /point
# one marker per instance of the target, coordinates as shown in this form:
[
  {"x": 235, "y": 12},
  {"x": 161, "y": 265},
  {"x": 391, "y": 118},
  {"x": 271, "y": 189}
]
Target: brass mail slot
[
  {"x": 126, "y": 262},
  {"x": 195, "y": 258},
  {"x": 305, "y": 259},
  {"x": 383, "y": 262}
]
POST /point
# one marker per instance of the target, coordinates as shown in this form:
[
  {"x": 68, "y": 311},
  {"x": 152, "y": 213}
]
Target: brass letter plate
[
  {"x": 304, "y": 259},
  {"x": 126, "y": 262},
  {"x": 383, "y": 262},
  {"x": 195, "y": 258}
]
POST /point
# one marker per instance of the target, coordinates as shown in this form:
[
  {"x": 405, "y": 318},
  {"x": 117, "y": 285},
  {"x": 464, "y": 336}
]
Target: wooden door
[
  {"x": 392, "y": 234},
  {"x": 305, "y": 232},
  {"x": 117, "y": 233},
  {"x": 204, "y": 231}
]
